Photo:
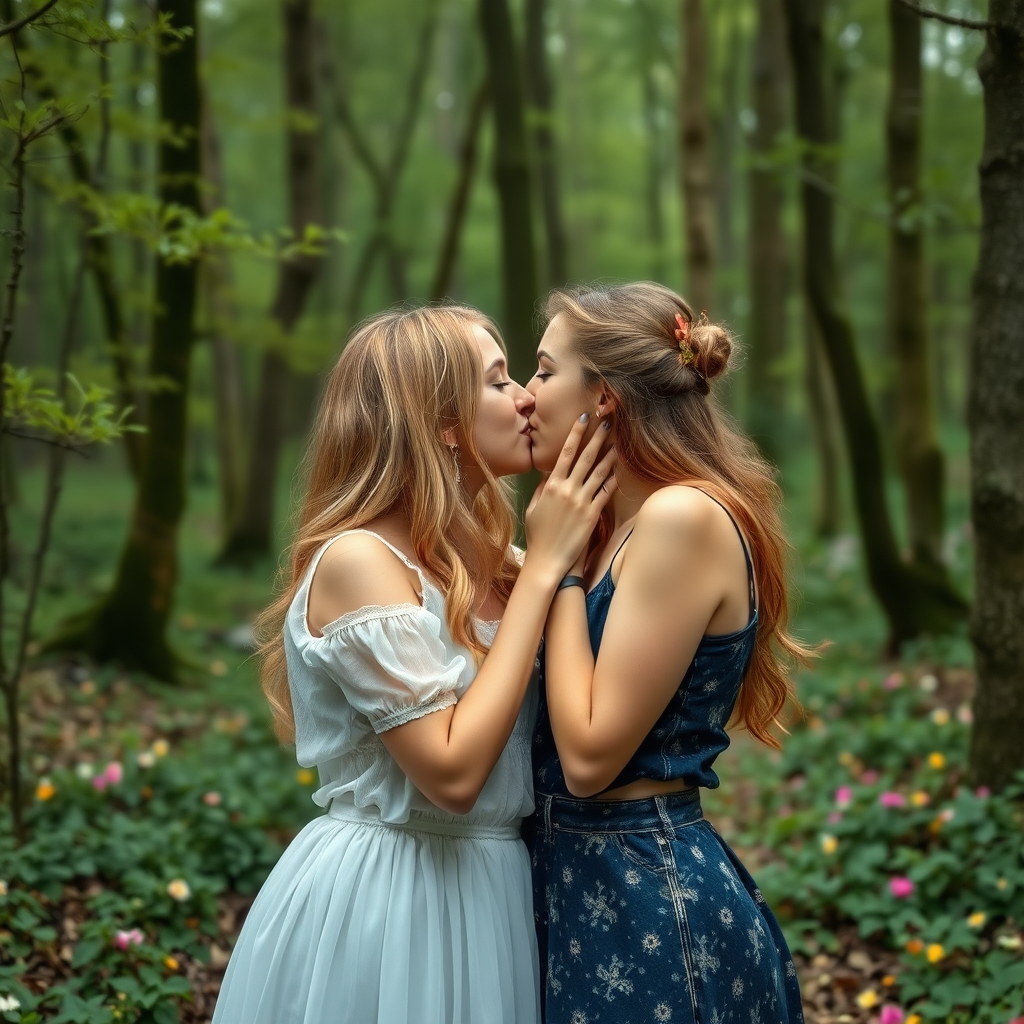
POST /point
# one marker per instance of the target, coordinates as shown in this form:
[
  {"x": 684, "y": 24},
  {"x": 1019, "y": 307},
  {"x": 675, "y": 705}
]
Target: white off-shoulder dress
[{"x": 388, "y": 909}]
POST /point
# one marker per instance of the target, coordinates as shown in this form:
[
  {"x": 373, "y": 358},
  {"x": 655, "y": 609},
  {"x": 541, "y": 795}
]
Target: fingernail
[
  {"x": 585, "y": 417},
  {"x": 607, "y": 424}
]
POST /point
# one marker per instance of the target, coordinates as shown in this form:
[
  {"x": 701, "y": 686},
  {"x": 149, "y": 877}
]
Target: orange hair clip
[{"x": 682, "y": 333}]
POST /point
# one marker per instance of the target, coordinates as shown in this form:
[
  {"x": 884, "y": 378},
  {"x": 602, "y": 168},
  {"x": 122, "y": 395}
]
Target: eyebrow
[
  {"x": 541, "y": 354},
  {"x": 500, "y": 361}
]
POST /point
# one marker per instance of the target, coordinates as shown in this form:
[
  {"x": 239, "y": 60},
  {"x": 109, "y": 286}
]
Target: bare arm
[{"x": 677, "y": 573}]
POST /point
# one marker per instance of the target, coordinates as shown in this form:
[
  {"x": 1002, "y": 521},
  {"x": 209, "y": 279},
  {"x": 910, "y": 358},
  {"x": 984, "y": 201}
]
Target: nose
[
  {"x": 524, "y": 400},
  {"x": 532, "y": 384}
]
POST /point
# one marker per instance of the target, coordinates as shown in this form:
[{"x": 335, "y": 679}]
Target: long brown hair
[
  {"x": 668, "y": 431},
  {"x": 404, "y": 377}
]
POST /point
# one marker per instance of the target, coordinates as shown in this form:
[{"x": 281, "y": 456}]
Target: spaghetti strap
[{"x": 746, "y": 552}]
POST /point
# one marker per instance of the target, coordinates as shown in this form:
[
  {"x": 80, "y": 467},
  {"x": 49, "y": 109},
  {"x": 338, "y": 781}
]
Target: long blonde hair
[
  {"x": 376, "y": 448},
  {"x": 667, "y": 431}
]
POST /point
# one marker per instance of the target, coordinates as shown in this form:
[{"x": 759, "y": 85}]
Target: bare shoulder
[
  {"x": 678, "y": 513},
  {"x": 355, "y": 571}
]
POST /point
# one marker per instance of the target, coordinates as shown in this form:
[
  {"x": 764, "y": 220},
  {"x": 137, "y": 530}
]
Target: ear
[
  {"x": 607, "y": 403},
  {"x": 450, "y": 437}
]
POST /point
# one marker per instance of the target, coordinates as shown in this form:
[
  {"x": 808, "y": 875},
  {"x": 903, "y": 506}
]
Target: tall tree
[
  {"x": 769, "y": 258},
  {"x": 996, "y": 408},
  {"x": 512, "y": 180},
  {"x": 914, "y": 601},
  {"x": 386, "y": 175},
  {"x": 252, "y": 531},
  {"x": 540, "y": 92},
  {"x": 649, "y": 50},
  {"x": 695, "y": 155},
  {"x": 917, "y": 442},
  {"x": 129, "y": 624}
]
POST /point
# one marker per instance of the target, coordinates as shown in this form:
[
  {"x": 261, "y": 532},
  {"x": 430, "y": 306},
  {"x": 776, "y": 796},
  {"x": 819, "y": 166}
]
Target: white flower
[
  {"x": 632, "y": 877},
  {"x": 725, "y": 916},
  {"x": 8, "y": 1003},
  {"x": 84, "y": 770},
  {"x": 650, "y": 942},
  {"x": 567, "y": 875},
  {"x": 178, "y": 889},
  {"x": 662, "y": 1012},
  {"x": 146, "y": 759}
]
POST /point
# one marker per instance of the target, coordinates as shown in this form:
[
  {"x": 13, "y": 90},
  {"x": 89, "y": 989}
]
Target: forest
[{"x": 201, "y": 198}]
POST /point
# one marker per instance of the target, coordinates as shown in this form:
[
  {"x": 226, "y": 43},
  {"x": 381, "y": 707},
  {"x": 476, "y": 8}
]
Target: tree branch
[
  {"x": 948, "y": 19},
  {"x": 6, "y": 30}
]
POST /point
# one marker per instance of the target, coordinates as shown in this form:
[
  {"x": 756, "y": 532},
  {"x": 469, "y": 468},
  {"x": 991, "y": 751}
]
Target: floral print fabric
[{"x": 645, "y": 914}]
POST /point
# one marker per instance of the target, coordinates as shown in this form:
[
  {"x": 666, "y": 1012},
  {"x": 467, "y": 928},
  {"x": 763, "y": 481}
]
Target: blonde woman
[{"x": 398, "y": 658}]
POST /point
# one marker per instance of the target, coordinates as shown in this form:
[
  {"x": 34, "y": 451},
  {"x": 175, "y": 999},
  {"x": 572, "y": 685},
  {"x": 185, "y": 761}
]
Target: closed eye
[
  {"x": 542, "y": 375},
  {"x": 501, "y": 385}
]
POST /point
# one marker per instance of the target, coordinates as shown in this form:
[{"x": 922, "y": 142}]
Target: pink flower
[
  {"x": 835, "y": 817},
  {"x": 869, "y": 778},
  {"x": 893, "y": 681},
  {"x": 891, "y": 1015},
  {"x": 211, "y": 799},
  {"x": 844, "y": 797},
  {"x": 99, "y": 782},
  {"x": 130, "y": 938},
  {"x": 901, "y": 887},
  {"x": 891, "y": 799},
  {"x": 981, "y": 792},
  {"x": 113, "y": 773}
]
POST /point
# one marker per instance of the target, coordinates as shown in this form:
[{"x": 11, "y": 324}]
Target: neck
[{"x": 632, "y": 492}]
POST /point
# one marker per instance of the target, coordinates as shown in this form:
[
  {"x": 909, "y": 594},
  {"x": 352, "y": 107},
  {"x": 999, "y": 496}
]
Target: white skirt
[{"x": 362, "y": 922}]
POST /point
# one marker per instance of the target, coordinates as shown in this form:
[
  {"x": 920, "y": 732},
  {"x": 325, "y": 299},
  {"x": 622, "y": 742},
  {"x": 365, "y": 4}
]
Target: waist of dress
[
  {"x": 419, "y": 822},
  {"x": 650, "y": 814}
]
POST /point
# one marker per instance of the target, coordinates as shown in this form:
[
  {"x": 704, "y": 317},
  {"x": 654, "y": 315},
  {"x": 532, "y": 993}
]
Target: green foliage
[
  {"x": 152, "y": 843},
  {"x": 869, "y": 822}
]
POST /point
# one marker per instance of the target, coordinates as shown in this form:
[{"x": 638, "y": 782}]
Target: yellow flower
[
  {"x": 889, "y": 980},
  {"x": 845, "y": 758},
  {"x": 914, "y": 1018},
  {"x": 940, "y": 716},
  {"x": 170, "y": 963},
  {"x": 178, "y": 889},
  {"x": 305, "y": 777},
  {"x": 935, "y": 953},
  {"x": 920, "y": 798},
  {"x": 161, "y": 748},
  {"x": 936, "y": 760},
  {"x": 977, "y": 919},
  {"x": 867, "y": 999},
  {"x": 3, "y": 887},
  {"x": 45, "y": 790},
  {"x": 1001, "y": 883},
  {"x": 829, "y": 844}
]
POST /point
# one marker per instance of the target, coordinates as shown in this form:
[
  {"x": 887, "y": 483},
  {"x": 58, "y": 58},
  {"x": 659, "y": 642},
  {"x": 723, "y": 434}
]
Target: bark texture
[
  {"x": 695, "y": 157},
  {"x": 129, "y": 624},
  {"x": 540, "y": 92},
  {"x": 914, "y": 601},
  {"x": 768, "y": 259},
  {"x": 996, "y": 409},
  {"x": 252, "y": 531},
  {"x": 512, "y": 181},
  {"x": 917, "y": 442}
]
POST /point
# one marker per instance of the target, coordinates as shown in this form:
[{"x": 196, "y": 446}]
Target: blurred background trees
[{"x": 234, "y": 183}]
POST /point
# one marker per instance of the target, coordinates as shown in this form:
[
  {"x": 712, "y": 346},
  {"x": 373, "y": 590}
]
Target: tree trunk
[
  {"x": 129, "y": 624},
  {"x": 654, "y": 159},
  {"x": 695, "y": 157},
  {"x": 996, "y": 409},
  {"x": 228, "y": 384},
  {"x": 459, "y": 204},
  {"x": 769, "y": 258},
  {"x": 512, "y": 181},
  {"x": 914, "y": 601},
  {"x": 821, "y": 407},
  {"x": 539, "y": 92},
  {"x": 252, "y": 531},
  {"x": 920, "y": 457}
]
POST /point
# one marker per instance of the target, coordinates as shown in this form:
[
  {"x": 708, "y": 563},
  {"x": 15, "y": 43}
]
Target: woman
[
  {"x": 675, "y": 626},
  {"x": 398, "y": 657}
]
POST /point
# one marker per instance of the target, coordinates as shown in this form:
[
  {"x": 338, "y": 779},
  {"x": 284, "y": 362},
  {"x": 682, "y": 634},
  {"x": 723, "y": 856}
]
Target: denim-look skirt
[{"x": 645, "y": 914}]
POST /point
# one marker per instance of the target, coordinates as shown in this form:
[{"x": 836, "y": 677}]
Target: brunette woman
[
  {"x": 673, "y": 626},
  {"x": 398, "y": 658}
]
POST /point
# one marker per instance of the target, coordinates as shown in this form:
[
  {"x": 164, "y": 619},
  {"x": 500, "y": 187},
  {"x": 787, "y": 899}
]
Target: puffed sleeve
[{"x": 391, "y": 663}]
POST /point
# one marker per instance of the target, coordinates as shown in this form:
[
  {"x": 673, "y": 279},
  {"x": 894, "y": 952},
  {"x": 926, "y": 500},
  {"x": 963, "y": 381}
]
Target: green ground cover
[{"x": 159, "y": 810}]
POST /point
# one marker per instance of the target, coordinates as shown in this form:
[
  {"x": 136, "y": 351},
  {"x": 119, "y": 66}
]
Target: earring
[{"x": 454, "y": 449}]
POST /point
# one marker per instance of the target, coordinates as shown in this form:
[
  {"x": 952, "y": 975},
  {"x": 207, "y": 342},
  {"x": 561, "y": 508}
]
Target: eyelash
[
  {"x": 504, "y": 384},
  {"x": 542, "y": 376}
]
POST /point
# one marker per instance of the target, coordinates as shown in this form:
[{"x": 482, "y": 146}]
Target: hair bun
[{"x": 711, "y": 346}]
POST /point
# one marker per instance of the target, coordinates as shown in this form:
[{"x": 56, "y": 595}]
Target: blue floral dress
[{"x": 643, "y": 912}]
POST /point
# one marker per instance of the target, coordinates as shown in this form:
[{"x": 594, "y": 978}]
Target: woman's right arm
[{"x": 448, "y": 754}]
